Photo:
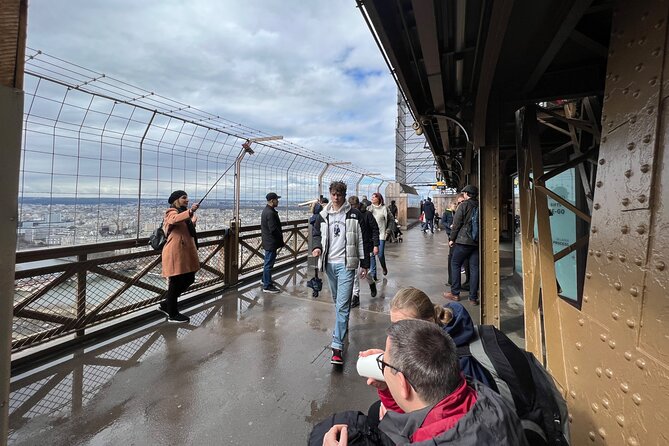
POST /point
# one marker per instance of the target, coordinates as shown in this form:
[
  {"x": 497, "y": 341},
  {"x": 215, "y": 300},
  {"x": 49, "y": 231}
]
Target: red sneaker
[
  {"x": 451, "y": 296},
  {"x": 337, "y": 357}
]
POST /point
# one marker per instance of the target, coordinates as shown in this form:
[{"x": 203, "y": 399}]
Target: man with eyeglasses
[
  {"x": 338, "y": 244},
  {"x": 426, "y": 400}
]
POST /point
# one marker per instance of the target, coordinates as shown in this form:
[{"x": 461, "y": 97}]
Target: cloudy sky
[{"x": 308, "y": 70}]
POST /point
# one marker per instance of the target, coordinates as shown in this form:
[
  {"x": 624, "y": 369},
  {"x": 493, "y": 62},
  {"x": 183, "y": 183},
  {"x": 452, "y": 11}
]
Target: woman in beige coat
[{"x": 180, "y": 258}]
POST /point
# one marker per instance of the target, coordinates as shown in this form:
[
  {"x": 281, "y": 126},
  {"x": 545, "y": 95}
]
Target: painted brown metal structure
[{"x": 542, "y": 88}]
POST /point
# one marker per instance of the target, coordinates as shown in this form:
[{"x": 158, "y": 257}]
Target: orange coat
[{"x": 179, "y": 253}]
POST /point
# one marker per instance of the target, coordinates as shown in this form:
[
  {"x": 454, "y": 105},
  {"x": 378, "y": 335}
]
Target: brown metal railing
[{"x": 64, "y": 291}]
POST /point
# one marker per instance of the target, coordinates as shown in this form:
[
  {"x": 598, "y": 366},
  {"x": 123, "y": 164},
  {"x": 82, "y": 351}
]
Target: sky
[{"x": 307, "y": 70}]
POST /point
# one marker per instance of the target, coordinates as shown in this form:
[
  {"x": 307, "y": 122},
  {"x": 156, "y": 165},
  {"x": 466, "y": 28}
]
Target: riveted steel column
[{"x": 489, "y": 245}]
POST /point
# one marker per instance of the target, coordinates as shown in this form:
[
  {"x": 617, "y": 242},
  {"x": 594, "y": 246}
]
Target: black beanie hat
[{"x": 176, "y": 194}]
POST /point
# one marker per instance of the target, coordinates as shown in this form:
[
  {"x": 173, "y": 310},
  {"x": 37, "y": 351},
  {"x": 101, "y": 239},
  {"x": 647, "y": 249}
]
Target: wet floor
[{"x": 250, "y": 368}]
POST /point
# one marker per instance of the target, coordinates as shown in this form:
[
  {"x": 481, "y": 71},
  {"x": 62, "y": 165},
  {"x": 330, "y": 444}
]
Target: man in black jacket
[
  {"x": 370, "y": 243},
  {"x": 272, "y": 240},
  {"x": 464, "y": 246}
]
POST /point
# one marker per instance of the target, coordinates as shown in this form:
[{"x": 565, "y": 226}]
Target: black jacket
[
  {"x": 370, "y": 233},
  {"x": 270, "y": 227},
  {"x": 461, "y": 231},
  {"x": 428, "y": 208}
]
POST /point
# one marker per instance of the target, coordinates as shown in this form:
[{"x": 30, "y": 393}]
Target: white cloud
[{"x": 307, "y": 70}]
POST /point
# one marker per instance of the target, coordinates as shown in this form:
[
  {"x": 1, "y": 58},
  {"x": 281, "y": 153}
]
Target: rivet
[
  {"x": 630, "y": 146},
  {"x": 625, "y": 201},
  {"x": 634, "y": 291},
  {"x": 641, "y": 41},
  {"x": 633, "y": 119},
  {"x": 609, "y": 255},
  {"x": 644, "y": 168},
  {"x": 640, "y": 363},
  {"x": 572, "y": 394},
  {"x": 625, "y": 90},
  {"x": 598, "y": 253},
  {"x": 570, "y": 418},
  {"x": 628, "y": 173},
  {"x": 646, "y": 139},
  {"x": 579, "y": 346},
  {"x": 620, "y": 420},
  {"x": 606, "y": 96},
  {"x": 630, "y": 323},
  {"x": 659, "y": 24},
  {"x": 650, "y": 110},
  {"x": 660, "y": 266},
  {"x": 656, "y": 52},
  {"x": 622, "y": 257},
  {"x": 586, "y": 298},
  {"x": 652, "y": 81},
  {"x": 599, "y": 184},
  {"x": 638, "y": 261},
  {"x": 612, "y": 344},
  {"x": 615, "y": 315},
  {"x": 576, "y": 370},
  {"x": 628, "y": 355},
  {"x": 598, "y": 371},
  {"x": 588, "y": 274},
  {"x": 604, "y": 138},
  {"x": 641, "y": 229},
  {"x": 596, "y": 206},
  {"x": 631, "y": 441},
  {"x": 602, "y": 161},
  {"x": 636, "y": 93},
  {"x": 606, "y": 403},
  {"x": 603, "y": 337},
  {"x": 625, "y": 229},
  {"x": 581, "y": 322},
  {"x": 630, "y": 44},
  {"x": 624, "y": 387},
  {"x": 609, "y": 373},
  {"x": 637, "y": 399},
  {"x": 590, "y": 252},
  {"x": 641, "y": 198},
  {"x": 594, "y": 407},
  {"x": 617, "y": 285},
  {"x": 592, "y": 436},
  {"x": 601, "y": 432},
  {"x": 638, "y": 67}
]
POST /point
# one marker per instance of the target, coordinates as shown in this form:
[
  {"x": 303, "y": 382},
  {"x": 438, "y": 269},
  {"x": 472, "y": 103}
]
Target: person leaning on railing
[{"x": 180, "y": 259}]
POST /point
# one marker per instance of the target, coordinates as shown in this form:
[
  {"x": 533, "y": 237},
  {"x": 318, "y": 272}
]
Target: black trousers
[{"x": 177, "y": 285}]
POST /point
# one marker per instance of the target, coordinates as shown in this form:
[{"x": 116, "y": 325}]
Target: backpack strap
[{"x": 479, "y": 353}]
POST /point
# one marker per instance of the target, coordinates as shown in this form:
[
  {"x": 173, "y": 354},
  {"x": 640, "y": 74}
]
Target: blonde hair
[{"x": 416, "y": 303}]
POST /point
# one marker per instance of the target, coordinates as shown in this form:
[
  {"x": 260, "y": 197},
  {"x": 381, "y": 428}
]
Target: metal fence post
[
  {"x": 81, "y": 293},
  {"x": 232, "y": 254}
]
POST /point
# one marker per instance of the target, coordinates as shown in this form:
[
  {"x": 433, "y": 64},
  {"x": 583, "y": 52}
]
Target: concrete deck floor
[{"x": 250, "y": 369}]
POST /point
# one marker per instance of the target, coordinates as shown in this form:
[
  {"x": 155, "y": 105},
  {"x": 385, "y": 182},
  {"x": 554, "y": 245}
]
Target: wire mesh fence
[{"x": 101, "y": 156}]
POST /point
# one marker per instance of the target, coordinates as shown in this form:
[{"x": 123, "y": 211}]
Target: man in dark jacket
[
  {"x": 436, "y": 405},
  {"x": 272, "y": 240},
  {"x": 428, "y": 208},
  {"x": 370, "y": 243},
  {"x": 464, "y": 247}
]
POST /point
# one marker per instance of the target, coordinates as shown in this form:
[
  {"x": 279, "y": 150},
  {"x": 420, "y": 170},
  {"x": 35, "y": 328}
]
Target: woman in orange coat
[{"x": 180, "y": 259}]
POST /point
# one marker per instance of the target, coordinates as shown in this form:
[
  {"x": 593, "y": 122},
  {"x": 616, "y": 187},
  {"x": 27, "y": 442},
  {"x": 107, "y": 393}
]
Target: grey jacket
[
  {"x": 461, "y": 230},
  {"x": 490, "y": 421},
  {"x": 354, "y": 241}
]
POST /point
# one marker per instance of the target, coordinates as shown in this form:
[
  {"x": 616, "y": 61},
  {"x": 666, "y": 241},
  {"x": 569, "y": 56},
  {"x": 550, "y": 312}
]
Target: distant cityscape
[{"x": 50, "y": 222}]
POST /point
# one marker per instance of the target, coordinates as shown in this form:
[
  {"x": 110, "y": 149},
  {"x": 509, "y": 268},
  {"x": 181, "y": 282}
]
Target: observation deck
[{"x": 250, "y": 368}]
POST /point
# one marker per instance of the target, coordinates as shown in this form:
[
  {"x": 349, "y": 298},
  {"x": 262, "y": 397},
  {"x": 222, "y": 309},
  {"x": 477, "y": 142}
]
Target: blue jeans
[
  {"x": 460, "y": 254},
  {"x": 341, "y": 286},
  {"x": 382, "y": 258},
  {"x": 270, "y": 258}
]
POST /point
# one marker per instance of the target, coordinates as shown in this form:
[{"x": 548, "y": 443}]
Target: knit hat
[{"x": 175, "y": 195}]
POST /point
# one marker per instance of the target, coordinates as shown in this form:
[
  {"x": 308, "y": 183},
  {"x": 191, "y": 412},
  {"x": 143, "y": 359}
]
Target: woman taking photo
[
  {"x": 180, "y": 259},
  {"x": 380, "y": 212}
]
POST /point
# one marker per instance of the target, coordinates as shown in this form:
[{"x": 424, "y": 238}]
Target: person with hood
[
  {"x": 180, "y": 260},
  {"x": 370, "y": 241},
  {"x": 338, "y": 245},
  {"x": 428, "y": 209},
  {"x": 465, "y": 248},
  {"x": 436, "y": 405}
]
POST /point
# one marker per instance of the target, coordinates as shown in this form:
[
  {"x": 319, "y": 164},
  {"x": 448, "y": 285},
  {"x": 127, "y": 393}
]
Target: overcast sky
[{"x": 307, "y": 70}]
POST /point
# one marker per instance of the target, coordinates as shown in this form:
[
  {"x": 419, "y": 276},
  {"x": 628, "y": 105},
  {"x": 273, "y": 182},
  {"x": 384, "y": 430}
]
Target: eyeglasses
[{"x": 383, "y": 364}]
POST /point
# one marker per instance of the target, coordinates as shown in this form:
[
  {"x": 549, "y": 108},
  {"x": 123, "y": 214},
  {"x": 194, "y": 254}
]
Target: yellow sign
[{"x": 441, "y": 183}]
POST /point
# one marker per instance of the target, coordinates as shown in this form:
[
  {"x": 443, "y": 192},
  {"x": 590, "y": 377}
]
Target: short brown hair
[
  {"x": 338, "y": 186},
  {"x": 353, "y": 201}
]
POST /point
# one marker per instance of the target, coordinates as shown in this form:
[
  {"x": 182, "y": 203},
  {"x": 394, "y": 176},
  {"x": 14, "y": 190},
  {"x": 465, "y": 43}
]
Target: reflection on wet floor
[{"x": 250, "y": 368}]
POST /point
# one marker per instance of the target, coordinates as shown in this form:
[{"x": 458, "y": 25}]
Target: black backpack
[
  {"x": 360, "y": 431},
  {"x": 524, "y": 383},
  {"x": 158, "y": 238},
  {"x": 474, "y": 225}
]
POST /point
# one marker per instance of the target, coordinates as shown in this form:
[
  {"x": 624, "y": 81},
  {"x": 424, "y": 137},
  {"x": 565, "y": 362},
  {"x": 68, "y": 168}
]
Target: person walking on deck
[
  {"x": 382, "y": 215},
  {"x": 428, "y": 209},
  {"x": 180, "y": 260},
  {"x": 338, "y": 244},
  {"x": 370, "y": 241},
  {"x": 465, "y": 245},
  {"x": 272, "y": 240}
]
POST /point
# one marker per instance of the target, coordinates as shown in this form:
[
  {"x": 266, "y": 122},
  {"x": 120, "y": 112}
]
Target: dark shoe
[
  {"x": 178, "y": 319},
  {"x": 451, "y": 296},
  {"x": 272, "y": 289},
  {"x": 337, "y": 357},
  {"x": 465, "y": 286},
  {"x": 474, "y": 301},
  {"x": 162, "y": 307},
  {"x": 372, "y": 288},
  {"x": 355, "y": 301},
  {"x": 385, "y": 271}
]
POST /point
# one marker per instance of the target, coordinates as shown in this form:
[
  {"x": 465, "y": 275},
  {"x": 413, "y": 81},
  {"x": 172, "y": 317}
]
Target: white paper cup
[{"x": 369, "y": 368}]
